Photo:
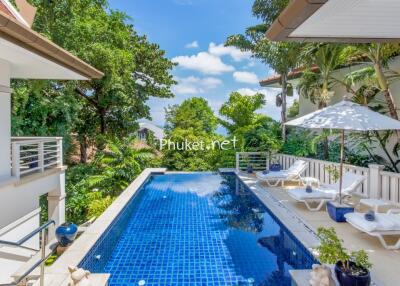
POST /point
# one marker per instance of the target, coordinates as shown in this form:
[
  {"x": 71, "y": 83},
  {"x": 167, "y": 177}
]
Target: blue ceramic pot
[
  {"x": 337, "y": 212},
  {"x": 275, "y": 167},
  {"x": 346, "y": 279},
  {"x": 249, "y": 169},
  {"x": 66, "y": 233}
]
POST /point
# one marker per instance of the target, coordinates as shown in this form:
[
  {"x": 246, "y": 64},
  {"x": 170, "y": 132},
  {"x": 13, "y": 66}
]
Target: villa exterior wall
[
  {"x": 19, "y": 204},
  {"x": 5, "y": 120}
]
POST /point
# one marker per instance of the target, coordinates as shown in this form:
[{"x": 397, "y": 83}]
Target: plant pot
[
  {"x": 249, "y": 169},
  {"x": 347, "y": 279},
  {"x": 66, "y": 233},
  {"x": 275, "y": 167},
  {"x": 337, "y": 211}
]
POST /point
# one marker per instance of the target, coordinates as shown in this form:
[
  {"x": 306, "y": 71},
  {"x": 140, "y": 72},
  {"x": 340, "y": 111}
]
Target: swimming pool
[{"x": 196, "y": 229}]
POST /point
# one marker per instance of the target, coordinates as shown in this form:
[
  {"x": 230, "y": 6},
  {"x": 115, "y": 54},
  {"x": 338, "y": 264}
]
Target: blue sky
[{"x": 192, "y": 33}]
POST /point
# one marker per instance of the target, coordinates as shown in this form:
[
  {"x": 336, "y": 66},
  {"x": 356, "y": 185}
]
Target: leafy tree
[
  {"x": 193, "y": 113},
  {"x": 134, "y": 68},
  {"x": 192, "y": 121},
  {"x": 240, "y": 112},
  {"x": 283, "y": 57},
  {"x": 40, "y": 109},
  {"x": 266, "y": 136}
]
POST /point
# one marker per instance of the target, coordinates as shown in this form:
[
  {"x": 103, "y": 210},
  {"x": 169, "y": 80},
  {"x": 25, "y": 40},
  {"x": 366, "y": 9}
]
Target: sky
[{"x": 193, "y": 32}]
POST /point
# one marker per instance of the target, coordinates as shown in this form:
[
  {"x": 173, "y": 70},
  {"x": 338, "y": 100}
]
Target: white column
[
  {"x": 5, "y": 120},
  {"x": 375, "y": 181},
  {"x": 56, "y": 205}
]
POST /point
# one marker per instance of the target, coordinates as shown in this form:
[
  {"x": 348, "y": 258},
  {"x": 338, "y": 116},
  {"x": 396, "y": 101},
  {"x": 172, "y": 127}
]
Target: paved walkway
[{"x": 386, "y": 263}]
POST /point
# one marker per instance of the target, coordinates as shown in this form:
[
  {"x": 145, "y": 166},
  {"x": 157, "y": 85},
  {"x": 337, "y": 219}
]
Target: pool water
[{"x": 196, "y": 229}]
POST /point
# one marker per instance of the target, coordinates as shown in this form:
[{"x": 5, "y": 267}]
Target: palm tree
[
  {"x": 379, "y": 56},
  {"x": 282, "y": 57},
  {"x": 119, "y": 163},
  {"x": 317, "y": 81}
]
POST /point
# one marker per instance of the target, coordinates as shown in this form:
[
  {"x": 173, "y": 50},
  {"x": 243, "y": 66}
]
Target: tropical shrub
[
  {"x": 98, "y": 204},
  {"x": 299, "y": 142}
]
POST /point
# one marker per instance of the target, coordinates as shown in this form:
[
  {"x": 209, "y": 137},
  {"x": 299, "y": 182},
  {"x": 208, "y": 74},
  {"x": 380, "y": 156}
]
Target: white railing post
[
  {"x": 60, "y": 152},
  {"x": 375, "y": 181},
  {"x": 16, "y": 168},
  {"x": 41, "y": 156},
  {"x": 237, "y": 162}
]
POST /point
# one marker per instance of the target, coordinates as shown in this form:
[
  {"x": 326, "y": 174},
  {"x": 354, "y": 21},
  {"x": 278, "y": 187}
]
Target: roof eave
[
  {"x": 25, "y": 37},
  {"x": 293, "y": 16}
]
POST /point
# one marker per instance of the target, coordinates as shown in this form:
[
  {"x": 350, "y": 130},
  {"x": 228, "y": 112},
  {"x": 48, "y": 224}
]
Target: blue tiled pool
[{"x": 196, "y": 229}]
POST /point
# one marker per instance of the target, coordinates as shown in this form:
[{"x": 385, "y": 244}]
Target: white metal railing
[
  {"x": 257, "y": 160},
  {"x": 35, "y": 154}
]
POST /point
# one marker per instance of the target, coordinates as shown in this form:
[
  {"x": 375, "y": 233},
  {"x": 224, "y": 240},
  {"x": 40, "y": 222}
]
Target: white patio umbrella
[{"x": 345, "y": 115}]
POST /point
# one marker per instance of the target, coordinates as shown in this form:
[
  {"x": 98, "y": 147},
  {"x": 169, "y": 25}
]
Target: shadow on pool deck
[{"x": 386, "y": 263}]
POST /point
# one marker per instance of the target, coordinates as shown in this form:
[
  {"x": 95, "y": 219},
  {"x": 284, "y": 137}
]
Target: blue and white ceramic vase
[{"x": 66, "y": 233}]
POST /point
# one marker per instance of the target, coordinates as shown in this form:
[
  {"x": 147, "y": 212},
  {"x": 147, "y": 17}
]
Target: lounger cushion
[
  {"x": 272, "y": 175},
  {"x": 302, "y": 195},
  {"x": 382, "y": 222},
  {"x": 351, "y": 182}
]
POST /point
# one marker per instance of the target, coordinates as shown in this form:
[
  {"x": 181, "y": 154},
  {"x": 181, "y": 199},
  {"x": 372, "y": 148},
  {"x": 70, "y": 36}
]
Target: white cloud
[
  {"x": 194, "y": 85},
  {"x": 236, "y": 54},
  {"x": 192, "y": 45},
  {"x": 246, "y": 77},
  {"x": 204, "y": 62}
]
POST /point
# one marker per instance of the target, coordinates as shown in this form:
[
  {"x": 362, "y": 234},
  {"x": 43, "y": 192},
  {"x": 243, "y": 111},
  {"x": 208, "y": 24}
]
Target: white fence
[
  {"x": 35, "y": 154},
  {"x": 379, "y": 184}
]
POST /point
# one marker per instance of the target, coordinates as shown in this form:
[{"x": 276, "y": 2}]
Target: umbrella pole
[{"x": 341, "y": 166}]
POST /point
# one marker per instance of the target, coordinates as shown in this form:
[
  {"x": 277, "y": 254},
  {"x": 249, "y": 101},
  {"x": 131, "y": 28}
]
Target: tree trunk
[
  {"x": 102, "y": 114},
  {"x": 83, "y": 150},
  {"x": 283, "y": 108},
  {"x": 326, "y": 148},
  {"x": 386, "y": 91}
]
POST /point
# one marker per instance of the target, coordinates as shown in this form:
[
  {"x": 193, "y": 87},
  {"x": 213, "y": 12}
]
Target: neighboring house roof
[
  {"x": 338, "y": 21},
  {"x": 158, "y": 131},
  {"x": 276, "y": 78},
  {"x": 15, "y": 31}
]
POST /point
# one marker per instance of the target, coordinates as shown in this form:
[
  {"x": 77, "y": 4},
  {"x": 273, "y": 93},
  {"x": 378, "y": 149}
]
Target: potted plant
[
  {"x": 249, "y": 169},
  {"x": 351, "y": 268}
]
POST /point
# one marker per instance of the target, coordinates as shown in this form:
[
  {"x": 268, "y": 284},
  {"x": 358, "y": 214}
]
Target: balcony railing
[{"x": 31, "y": 155}]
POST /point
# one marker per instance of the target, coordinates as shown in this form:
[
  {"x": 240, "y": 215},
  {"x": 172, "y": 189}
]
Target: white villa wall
[
  {"x": 5, "y": 120},
  {"x": 19, "y": 200}
]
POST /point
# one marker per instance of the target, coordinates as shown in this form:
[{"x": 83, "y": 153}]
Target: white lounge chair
[
  {"x": 291, "y": 174},
  {"x": 385, "y": 224},
  {"x": 327, "y": 192}
]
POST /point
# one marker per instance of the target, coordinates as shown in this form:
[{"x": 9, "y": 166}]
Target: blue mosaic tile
[{"x": 196, "y": 229}]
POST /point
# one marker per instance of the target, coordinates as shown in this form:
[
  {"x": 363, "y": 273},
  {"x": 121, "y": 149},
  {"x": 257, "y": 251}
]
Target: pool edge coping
[{"x": 79, "y": 249}]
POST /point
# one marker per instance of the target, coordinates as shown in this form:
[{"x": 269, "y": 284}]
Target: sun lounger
[
  {"x": 326, "y": 192},
  {"x": 273, "y": 179},
  {"x": 387, "y": 224}
]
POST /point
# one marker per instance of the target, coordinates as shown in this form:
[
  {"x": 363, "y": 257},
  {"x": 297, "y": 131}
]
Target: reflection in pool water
[{"x": 197, "y": 229}]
